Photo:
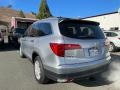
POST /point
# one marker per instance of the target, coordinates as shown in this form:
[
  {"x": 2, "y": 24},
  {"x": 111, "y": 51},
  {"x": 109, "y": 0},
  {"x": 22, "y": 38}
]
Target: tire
[
  {"x": 112, "y": 47},
  {"x": 39, "y": 71},
  {"x": 21, "y": 53}
]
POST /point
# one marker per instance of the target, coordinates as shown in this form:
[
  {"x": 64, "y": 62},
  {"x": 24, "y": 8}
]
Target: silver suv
[{"x": 64, "y": 49}]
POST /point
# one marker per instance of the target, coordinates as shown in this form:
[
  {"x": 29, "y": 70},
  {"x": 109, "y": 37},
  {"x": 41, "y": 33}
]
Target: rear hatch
[{"x": 84, "y": 41}]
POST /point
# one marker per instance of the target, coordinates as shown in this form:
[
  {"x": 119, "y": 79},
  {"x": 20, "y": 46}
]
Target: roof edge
[{"x": 101, "y": 15}]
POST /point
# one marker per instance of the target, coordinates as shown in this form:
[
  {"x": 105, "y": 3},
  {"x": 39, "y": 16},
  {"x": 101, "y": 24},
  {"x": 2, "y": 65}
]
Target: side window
[
  {"x": 113, "y": 34},
  {"x": 40, "y": 29},
  {"x": 27, "y": 32},
  {"x": 44, "y": 29},
  {"x": 34, "y": 30},
  {"x": 108, "y": 34}
]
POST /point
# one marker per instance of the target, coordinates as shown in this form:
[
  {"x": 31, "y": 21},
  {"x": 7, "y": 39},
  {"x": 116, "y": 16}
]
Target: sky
[{"x": 67, "y": 8}]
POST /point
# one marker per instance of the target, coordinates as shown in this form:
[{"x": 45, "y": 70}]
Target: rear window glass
[{"x": 81, "y": 30}]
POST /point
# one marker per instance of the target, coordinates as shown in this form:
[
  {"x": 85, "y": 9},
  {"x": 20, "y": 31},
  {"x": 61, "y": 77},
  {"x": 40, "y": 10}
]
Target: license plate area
[{"x": 93, "y": 51}]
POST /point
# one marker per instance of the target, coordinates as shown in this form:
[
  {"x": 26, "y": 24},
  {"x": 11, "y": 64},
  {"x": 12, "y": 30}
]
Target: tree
[
  {"x": 44, "y": 11},
  {"x": 21, "y": 14}
]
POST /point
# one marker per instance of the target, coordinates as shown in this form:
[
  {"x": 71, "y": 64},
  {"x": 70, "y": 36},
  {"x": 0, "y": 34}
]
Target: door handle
[{"x": 24, "y": 40}]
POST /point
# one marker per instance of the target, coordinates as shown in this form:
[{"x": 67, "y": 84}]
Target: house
[
  {"x": 108, "y": 21},
  {"x": 6, "y": 15}
]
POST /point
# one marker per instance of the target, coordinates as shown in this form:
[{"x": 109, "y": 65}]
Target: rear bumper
[
  {"x": 78, "y": 70},
  {"x": 78, "y": 75}
]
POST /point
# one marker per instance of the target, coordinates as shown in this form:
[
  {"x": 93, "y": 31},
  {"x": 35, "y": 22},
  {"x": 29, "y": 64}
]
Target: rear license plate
[{"x": 93, "y": 51}]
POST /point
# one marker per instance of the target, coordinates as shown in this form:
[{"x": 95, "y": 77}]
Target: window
[
  {"x": 111, "y": 34},
  {"x": 19, "y": 30},
  {"x": 81, "y": 30},
  {"x": 107, "y": 34},
  {"x": 34, "y": 32},
  {"x": 24, "y": 25},
  {"x": 27, "y": 32},
  {"x": 41, "y": 29},
  {"x": 45, "y": 28}
]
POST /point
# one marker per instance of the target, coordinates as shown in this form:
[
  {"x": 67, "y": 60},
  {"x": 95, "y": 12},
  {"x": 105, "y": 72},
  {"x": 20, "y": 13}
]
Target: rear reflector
[{"x": 59, "y": 49}]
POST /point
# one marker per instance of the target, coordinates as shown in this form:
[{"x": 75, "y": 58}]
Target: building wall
[{"x": 107, "y": 21}]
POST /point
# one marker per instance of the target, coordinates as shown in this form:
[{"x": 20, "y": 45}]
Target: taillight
[{"x": 59, "y": 49}]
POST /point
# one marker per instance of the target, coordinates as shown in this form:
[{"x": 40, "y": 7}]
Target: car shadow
[
  {"x": 88, "y": 82},
  {"x": 8, "y": 47},
  {"x": 98, "y": 80}
]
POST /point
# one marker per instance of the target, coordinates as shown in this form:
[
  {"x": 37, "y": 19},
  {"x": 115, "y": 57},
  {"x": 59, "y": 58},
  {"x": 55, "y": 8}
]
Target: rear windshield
[{"x": 81, "y": 30}]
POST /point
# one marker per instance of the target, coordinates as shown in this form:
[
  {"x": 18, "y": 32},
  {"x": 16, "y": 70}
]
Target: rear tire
[{"x": 39, "y": 71}]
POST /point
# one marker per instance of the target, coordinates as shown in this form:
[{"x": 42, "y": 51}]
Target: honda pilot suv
[{"x": 64, "y": 49}]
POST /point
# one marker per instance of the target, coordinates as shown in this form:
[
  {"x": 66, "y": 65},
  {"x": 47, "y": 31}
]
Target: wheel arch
[
  {"x": 113, "y": 42},
  {"x": 34, "y": 54}
]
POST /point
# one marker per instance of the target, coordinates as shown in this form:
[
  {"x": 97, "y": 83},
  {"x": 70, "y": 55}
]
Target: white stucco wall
[{"x": 107, "y": 21}]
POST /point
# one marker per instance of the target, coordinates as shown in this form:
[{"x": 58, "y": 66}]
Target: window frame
[{"x": 26, "y": 34}]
